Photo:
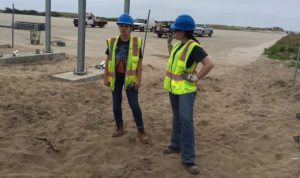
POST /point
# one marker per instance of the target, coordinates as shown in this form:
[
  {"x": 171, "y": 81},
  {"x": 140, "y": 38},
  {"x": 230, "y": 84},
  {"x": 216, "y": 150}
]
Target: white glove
[{"x": 190, "y": 77}]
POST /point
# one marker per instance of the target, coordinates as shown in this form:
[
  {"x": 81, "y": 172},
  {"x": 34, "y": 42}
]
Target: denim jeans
[
  {"x": 132, "y": 96},
  {"x": 183, "y": 137}
]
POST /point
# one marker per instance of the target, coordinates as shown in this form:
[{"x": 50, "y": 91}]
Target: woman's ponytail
[{"x": 190, "y": 35}]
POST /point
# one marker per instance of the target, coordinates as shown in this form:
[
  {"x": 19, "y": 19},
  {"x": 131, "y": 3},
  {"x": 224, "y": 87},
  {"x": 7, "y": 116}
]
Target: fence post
[{"x": 13, "y": 27}]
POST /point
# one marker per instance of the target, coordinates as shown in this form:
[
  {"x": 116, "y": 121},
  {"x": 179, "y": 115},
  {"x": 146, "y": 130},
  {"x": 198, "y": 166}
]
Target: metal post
[
  {"x": 13, "y": 27},
  {"x": 127, "y": 6},
  {"x": 147, "y": 26},
  {"x": 81, "y": 38},
  {"x": 296, "y": 68},
  {"x": 48, "y": 27}
]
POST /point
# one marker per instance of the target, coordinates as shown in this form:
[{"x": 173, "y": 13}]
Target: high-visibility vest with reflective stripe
[
  {"x": 177, "y": 66},
  {"x": 135, "y": 44}
]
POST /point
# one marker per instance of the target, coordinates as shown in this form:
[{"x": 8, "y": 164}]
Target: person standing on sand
[
  {"x": 181, "y": 82},
  {"x": 123, "y": 69}
]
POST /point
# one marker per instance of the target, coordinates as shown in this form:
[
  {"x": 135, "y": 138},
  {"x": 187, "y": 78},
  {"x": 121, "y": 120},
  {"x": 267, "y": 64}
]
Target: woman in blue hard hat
[
  {"x": 124, "y": 70},
  {"x": 181, "y": 82}
]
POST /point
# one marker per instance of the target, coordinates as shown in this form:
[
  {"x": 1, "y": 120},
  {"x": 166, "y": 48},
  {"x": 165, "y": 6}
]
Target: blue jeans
[
  {"x": 183, "y": 137},
  {"x": 132, "y": 96}
]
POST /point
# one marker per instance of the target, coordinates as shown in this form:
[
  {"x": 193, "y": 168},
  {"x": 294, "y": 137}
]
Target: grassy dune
[{"x": 286, "y": 49}]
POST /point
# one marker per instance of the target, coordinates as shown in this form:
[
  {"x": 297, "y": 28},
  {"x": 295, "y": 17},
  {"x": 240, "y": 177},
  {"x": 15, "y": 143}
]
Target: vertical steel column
[
  {"x": 48, "y": 27},
  {"x": 127, "y": 6},
  {"x": 13, "y": 27},
  {"x": 146, "y": 32},
  {"x": 81, "y": 38}
]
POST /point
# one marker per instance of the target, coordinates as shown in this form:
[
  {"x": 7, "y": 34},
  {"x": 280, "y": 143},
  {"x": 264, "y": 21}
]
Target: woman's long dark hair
[{"x": 190, "y": 35}]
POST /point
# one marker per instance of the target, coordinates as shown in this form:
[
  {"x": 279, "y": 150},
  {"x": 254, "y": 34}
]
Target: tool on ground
[
  {"x": 296, "y": 158},
  {"x": 15, "y": 53},
  {"x": 100, "y": 66}
]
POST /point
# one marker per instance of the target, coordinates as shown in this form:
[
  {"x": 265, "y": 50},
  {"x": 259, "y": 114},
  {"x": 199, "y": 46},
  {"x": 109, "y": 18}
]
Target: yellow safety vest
[
  {"x": 177, "y": 66},
  {"x": 135, "y": 45}
]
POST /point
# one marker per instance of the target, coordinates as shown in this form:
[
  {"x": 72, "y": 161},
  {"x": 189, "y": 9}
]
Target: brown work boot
[
  {"x": 118, "y": 132},
  {"x": 143, "y": 136}
]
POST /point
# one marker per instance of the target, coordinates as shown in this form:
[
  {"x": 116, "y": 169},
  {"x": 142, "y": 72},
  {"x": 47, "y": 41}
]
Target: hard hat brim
[
  {"x": 174, "y": 27},
  {"x": 124, "y": 23}
]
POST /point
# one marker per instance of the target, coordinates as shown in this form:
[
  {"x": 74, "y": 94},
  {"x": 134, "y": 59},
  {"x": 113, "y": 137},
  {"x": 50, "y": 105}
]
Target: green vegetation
[
  {"x": 285, "y": 49},
  {"x": 113, "y": 19},
  {"x": 34, "y": 12},
  {"x": 53, "y": 13},
  {"x": 238, "y": 28}
]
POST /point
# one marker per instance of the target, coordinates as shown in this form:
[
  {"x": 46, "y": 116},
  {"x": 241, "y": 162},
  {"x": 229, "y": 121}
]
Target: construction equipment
[{"x": 163, "y": 28}]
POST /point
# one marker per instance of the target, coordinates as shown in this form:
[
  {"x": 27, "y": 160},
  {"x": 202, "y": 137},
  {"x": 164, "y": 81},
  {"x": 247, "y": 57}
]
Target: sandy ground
[{"x": 244, "y": 113}]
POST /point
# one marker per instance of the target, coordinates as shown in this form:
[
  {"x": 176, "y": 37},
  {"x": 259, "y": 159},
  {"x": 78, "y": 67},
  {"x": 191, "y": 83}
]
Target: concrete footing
[
  {"x": 92, "y": 75},
  {"x": 4, "y": 45},
  {"x": 31, "y": 58}
]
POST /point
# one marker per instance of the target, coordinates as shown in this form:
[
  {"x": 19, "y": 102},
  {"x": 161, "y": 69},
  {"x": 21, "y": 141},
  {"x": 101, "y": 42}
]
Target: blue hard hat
[
  {"x": 184, "y": 22},
  {"x": 125, "y": 19}
]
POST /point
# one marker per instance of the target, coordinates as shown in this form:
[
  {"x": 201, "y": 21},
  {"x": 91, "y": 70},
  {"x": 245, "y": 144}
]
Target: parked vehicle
[
  {"x": 163, "y": 28},
  {"x": 202, "y": 30},
  {"x": 91, "y": 20},
  {"x": 141, "y": 25}
]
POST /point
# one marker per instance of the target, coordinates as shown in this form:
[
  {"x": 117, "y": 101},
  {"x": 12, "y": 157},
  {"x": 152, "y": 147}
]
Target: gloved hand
[{"x": 190, "y": 77}]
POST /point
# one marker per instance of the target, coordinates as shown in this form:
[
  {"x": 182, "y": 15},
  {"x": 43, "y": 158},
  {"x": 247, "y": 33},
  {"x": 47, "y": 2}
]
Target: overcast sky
[{"x": 260, "y": 13}]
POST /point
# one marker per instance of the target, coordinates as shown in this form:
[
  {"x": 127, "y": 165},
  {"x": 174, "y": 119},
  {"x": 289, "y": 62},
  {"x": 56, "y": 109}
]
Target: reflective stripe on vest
[
  {"x": 135, "y": 47},
  {"x": 176, "y": 77},
  {"x": 111, "y": 46},
  {"x": 173, "y": 76},
  {"x": 183, "y": 55}
]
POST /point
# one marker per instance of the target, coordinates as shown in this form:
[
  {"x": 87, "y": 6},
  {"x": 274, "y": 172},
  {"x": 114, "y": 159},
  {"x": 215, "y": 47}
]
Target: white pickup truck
[
  {"x": 202, "y": 30},
  {"x": 91, "y": 20},
  {"x": 141, "y": 25}
]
